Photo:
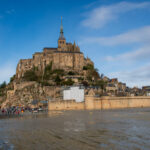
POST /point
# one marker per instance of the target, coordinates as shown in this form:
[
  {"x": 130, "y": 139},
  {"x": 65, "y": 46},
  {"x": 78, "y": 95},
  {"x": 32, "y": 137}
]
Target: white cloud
[
  {"x": 137, "y": 77},
  {"x": 102, "y": 15},
  {"x": 140, "y": 54},
  {"x": 6, "y": 71},
  {"x": 131, "y": 73},
  {"x": 91, "y": 4},
  {"x": 141, "y": 35},
  {"x": 10, "y": 11}
]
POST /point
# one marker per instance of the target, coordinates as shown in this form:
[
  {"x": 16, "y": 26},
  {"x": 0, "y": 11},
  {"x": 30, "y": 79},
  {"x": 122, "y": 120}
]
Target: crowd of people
[
  {"x": 12, "y": 111},
  {"x": 19, "y": 110}
]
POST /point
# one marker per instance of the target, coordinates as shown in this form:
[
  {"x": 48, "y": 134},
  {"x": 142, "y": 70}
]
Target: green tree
[
  {"x": 88, "y": 67},
  {"x": 85, "y": 83},
  {"x": 92, "y": 72},
  {"x": 101, "y": 84},
  {"x": 95, "y": 74},
  {"x": 49, "y": 67},
  {"x": 85, "y": 68},
  {"x": 2, "y": 88},
  {"x": 59, "y": 72},
  {"x": 71, "y": 73},
  {"x": 35, "y": 68},
  {"x": 48, "y": 71},
  {"x": 58, "y": 80},
  {"x": 3, "y": 85},
  {"x": 69, "y": 82},
  {"x": 45, "y": 83},
  {"x": 30, "y": 75},
  {"x": 12, "y": 78}
]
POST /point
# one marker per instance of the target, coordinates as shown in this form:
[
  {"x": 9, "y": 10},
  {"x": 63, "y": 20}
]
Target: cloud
[
  {"x": 91, "y": 4},
  {"x": 6, "y": 71},
  {"x": 127, "y": 63},
  {"x": 140, "y": 54},
  {"x": 141, "y": 35},
  {"x": 137, "y": 77},
  {"x": 11, "y": 11},
  {"x": 7, "y": 12},
  {"x": 102, "y": 15},
  {"x": 132, "y": 74}
]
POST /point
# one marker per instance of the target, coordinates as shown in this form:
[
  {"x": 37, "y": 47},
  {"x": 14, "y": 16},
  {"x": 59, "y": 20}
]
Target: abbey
[{"x": 66, "y": 56}]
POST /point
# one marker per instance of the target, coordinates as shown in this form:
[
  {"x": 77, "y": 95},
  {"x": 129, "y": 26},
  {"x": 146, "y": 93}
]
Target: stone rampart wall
[
  {"x": 124, "y": 102},
  {"x": 92, "y": 102},
  {"x": 65, "y": 105}
]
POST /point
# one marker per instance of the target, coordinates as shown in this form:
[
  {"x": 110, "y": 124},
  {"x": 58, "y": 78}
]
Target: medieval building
[{"x": 66, "y": 56}]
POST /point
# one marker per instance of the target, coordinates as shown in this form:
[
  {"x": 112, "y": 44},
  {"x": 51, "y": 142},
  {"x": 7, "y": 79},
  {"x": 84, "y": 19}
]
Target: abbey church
[{"x": 66, "y": 56}]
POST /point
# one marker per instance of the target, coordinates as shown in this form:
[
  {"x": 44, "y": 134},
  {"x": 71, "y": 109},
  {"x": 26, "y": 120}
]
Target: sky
[{"x": 114, "y": 34}]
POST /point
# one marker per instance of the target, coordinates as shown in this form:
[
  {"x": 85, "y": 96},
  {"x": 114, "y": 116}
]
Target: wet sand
[{"x": 78, "y": 130}]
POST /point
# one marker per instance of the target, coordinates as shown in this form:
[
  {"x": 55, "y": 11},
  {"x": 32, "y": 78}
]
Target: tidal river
[{"x": 78, "y": 130}]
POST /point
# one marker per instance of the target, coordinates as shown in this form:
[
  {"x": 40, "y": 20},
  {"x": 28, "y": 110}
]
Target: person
[
  {"x": 22, "y": 110},
  {"x": 3, "y": 111}
]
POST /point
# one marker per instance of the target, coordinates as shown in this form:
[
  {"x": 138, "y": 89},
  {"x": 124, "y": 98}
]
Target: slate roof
[{"x": 50, "y": 48}]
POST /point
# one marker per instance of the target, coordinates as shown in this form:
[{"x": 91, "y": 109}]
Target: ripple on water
[
  {"x": 77, "y": 130},
  {"x": 5, "y": 145}
]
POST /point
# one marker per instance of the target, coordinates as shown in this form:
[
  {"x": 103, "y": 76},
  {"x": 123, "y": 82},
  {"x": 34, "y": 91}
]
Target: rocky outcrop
[
  {"x": 24, "y": 93},
  {"x": 38, "y": 78}
]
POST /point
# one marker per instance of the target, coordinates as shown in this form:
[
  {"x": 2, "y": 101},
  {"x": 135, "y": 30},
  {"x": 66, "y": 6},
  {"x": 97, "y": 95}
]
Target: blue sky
[{"x": 114, "y": 34}]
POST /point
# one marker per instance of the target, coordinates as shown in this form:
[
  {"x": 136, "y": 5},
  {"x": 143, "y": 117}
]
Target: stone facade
[{"x": 66, "y": 56}]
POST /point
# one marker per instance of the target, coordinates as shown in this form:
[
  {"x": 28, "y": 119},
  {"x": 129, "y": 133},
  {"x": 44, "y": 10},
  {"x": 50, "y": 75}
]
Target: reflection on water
[
  {"x": 54, "y": 113},
  {"x": 78, "y": 130},
  {"x": 5, "y": 145},
  {"x": 74, "y": 126}
]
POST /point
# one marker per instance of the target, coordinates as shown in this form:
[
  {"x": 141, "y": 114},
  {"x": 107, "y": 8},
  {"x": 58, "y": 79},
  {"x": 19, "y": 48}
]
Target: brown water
[{"x": 78, "y": 130}]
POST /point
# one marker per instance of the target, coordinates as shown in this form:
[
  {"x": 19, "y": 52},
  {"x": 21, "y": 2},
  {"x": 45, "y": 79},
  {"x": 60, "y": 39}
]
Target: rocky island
[{"x": 42, "y": 77}]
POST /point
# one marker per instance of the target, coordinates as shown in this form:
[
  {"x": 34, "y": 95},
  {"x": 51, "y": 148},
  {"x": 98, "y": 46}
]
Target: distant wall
[{"x": 92, "y": 102}]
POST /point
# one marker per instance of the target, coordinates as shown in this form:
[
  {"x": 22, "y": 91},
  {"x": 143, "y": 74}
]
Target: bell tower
[{"x": 61, "y": 40}]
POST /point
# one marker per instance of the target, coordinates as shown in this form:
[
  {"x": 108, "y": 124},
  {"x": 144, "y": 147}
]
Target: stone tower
[{"x": 61, "y": 40}]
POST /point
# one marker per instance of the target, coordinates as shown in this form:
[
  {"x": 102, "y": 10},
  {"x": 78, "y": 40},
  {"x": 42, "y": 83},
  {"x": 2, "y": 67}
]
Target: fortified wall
[{"x": 100, "y": 103}]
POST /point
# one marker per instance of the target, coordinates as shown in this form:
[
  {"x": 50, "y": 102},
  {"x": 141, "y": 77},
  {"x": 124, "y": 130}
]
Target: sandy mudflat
[{"x": 78, "y": 130}]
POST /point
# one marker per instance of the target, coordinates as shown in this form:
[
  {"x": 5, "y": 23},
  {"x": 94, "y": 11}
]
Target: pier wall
[{"x": 92, "y": 102}]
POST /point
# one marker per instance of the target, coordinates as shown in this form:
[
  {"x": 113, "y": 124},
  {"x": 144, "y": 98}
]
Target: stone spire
[{"x": 61, "y": 37}]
